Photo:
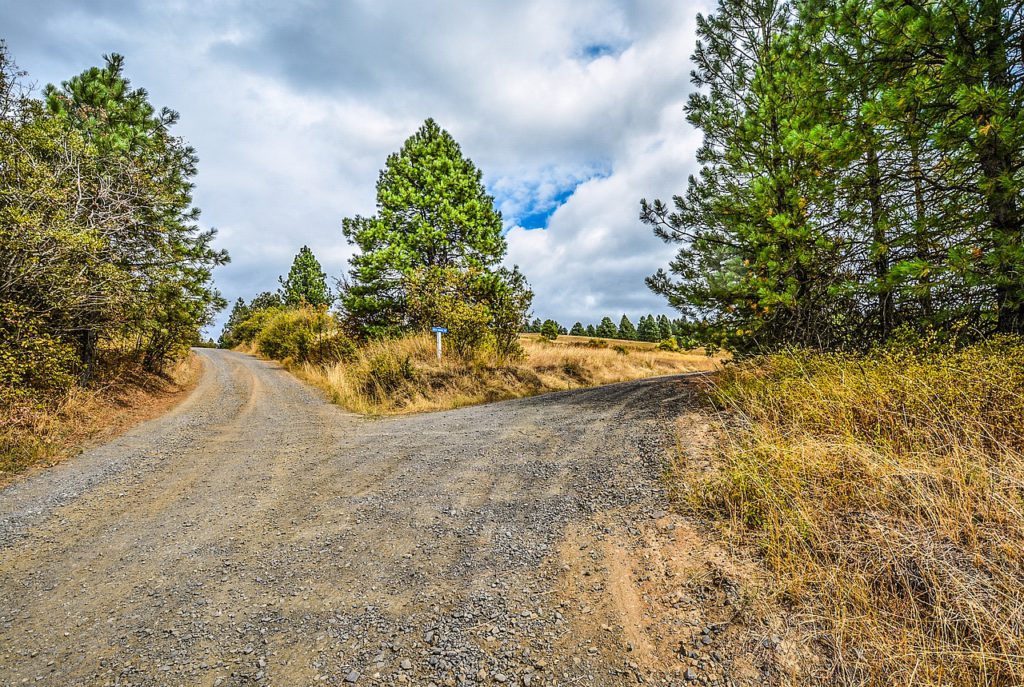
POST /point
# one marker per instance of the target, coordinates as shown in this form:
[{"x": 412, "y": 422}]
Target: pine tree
[
  {"x": 664, "y": 327},
  {"x": 550, "y": 329},
  {"x": 591, "y": 330},
  {"x": 432, "y": 212},
  {"x": 626, "y": 329},
  {"x": 751, "y": 255},
  {"x": 306, "y": 282},
  {"x": 577, "y": 329},
  {"x": 239, "y": 313},
  {"x": 607, "y": 329},
  {"x": 648, "y": 329}
]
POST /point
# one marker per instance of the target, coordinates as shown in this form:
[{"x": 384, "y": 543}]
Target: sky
[{"x": 572, "y": 110}]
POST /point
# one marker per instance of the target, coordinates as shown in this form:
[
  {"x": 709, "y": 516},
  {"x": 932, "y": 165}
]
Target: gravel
[{"x": 257, "y": 535}]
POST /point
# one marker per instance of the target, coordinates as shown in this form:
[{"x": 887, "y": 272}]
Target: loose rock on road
[{"x": 257, "y": 535}]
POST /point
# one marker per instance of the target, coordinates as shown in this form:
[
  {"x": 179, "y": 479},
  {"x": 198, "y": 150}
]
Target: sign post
[{"x": 439, "y": 331}]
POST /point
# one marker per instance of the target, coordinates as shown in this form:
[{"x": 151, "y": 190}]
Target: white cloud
[{"x": 293, "y": 109}]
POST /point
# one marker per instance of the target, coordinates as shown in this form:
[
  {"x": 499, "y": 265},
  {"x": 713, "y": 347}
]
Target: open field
[{"x": 404, "y": 376}]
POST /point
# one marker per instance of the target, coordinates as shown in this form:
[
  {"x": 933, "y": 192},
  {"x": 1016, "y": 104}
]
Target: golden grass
[
  {"x": 48, "y": 431},
  {"x": 403, "y": 375},
  {"x": 886, "y": 494}
]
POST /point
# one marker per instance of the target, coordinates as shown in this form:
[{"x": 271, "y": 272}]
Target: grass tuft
[{"x": 886, "y": 493}]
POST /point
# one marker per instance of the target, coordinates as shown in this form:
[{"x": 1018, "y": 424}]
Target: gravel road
[{"x": 257, "y": 535}]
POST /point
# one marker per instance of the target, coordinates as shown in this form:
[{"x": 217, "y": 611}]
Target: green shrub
[
  {"x": 385, "y": 375},
  {"x": 621, "y": 350},
  {"x": 668, "y": 344},
  {"x": 302, "y": 335},
  {"x": 32, "y": 362}
]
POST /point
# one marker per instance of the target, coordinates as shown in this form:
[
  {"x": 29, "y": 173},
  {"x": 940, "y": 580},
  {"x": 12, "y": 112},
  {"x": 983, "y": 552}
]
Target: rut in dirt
[{"x": 257, "y": 535}]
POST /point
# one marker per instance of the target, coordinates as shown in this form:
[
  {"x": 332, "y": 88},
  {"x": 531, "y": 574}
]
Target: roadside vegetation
[
  {"x": 854, "y": 238},
  {"x": 403, "y": 375},
  {"x": 105, "y": 277},
  {"x": 883, "y": 493}
]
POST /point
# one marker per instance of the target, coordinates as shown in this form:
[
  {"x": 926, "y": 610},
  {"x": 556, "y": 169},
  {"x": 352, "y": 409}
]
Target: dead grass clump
[
  {"x": 886, "y": 493},
  {"x": 47, "y": 430},
  {"x": 403, "y": 375}
]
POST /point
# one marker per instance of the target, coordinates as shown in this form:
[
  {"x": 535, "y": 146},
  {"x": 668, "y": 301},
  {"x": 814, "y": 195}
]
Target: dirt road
[{"x": 258, "y": 535}]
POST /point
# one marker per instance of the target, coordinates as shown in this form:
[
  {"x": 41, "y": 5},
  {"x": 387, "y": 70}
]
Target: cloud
[{"x": 572, "y": 110}]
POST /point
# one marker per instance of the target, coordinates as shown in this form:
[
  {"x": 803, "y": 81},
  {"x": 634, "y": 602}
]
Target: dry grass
[
  {"x": 48, "y": 431},
  {"x": 886, "y": 494},
  {"x": 403, "y": 375}
]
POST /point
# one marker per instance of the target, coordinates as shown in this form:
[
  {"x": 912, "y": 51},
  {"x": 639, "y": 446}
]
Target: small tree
[
  {"x": 432, "y": 212},
  {"x": 664, "y": 327},
  {"x": 549, "y": 330},
  {"x": 607, "y": 329},
  {"x": 239, "y": 313},
  {"x": 577, "y": 329},
  {"x": 626, "y": 329},
  {"x": 591, "y": 330},
  {"x": 649, "y": 330},
  {"x": 306, "y": 282}
]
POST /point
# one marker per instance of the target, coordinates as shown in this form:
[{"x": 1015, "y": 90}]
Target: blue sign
[{"x": 439, "y": 330}]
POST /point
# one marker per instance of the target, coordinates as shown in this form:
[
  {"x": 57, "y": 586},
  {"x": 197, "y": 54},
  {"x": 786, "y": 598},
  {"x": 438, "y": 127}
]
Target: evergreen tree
[
  {"x": 664, "y": 327},
  {"x": 125, "y": 258},
  {"x": 607, "y": 329},
  {"x": 306, "y": 282},
  {"x": 239, "y": 313},
  {"x": 265, "y": 300},
  {"x": 550, "y": 329},
  {"x": 577, "y": 329},
  {"x": 591, "y": 330},
  {"x": 626, "y": 329},
  {"x": 432, "y": 212},
  {"x": 648, "y": 329},
  {"x": 751, "y": 255},
  {"x": 535, "y": 326}
]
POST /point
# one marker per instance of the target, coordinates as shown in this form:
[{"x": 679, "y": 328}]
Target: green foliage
[
  {"x": 591, "y": 330},
  {"x": 306, "y": 282},
  {"x": 32, "y": 361},
  {"x": 97, "y": 227},
  {"x": 246, "y": 331},
  {"x": 482, "y": 310},
  {"x": 578, "y": 330},
  {"x": 881, "y": 189},
  {"x": 306, "y": 334},
  {"x": 626, "y": 329},
  {"x": 549, "y": 330},
  {"x": 648, "y": 329},
  {"x": 607, "y": 329},
  {"x": 432, "y": 213}
]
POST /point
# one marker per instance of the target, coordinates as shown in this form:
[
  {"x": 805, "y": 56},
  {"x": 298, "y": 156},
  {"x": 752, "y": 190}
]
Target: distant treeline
[
  {"x": 648, "y": 328},
  {"x": 861, "y": 173}
]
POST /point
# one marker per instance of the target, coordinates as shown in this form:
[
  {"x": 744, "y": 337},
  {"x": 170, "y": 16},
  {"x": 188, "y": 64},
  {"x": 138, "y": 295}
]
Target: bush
[
  {"x": 32, "y": 362},
  {"x": 621, "y": 350},
  {"x": 481, "y": 310},
  {"x": 669, "y": 344},
  {"x": 385, "y": 375},
  {"x": 302, "y": 335}
]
